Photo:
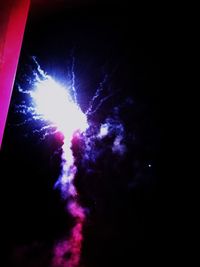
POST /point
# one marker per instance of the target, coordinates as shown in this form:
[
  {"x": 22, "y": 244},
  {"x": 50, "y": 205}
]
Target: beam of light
[{"x": 13, "y": 15}]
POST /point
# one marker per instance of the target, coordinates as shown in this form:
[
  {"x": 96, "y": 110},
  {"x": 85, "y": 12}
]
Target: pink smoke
[{"x": 67, "y": 252}]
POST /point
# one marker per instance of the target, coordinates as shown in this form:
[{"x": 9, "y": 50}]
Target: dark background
[{"x": 126, "y": 223}]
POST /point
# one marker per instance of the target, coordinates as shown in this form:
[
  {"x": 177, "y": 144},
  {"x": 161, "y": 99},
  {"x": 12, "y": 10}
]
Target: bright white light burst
[{"x": 53, "y": 103}]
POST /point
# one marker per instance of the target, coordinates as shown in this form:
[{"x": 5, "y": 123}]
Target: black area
[{"x": 125, "y": 226}]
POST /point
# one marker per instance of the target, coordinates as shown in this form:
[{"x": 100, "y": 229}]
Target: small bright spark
[{"x": 103, "y": 131}]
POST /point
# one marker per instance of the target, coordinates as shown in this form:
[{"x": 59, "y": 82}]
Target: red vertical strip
[{"x": 13, "y": 17}]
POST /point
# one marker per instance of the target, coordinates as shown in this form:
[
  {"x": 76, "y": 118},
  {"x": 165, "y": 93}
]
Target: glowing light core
[{"x": 54, "y": 104}]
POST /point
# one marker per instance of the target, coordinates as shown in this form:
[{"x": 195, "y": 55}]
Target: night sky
[{"x": 123, "y": 194}]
